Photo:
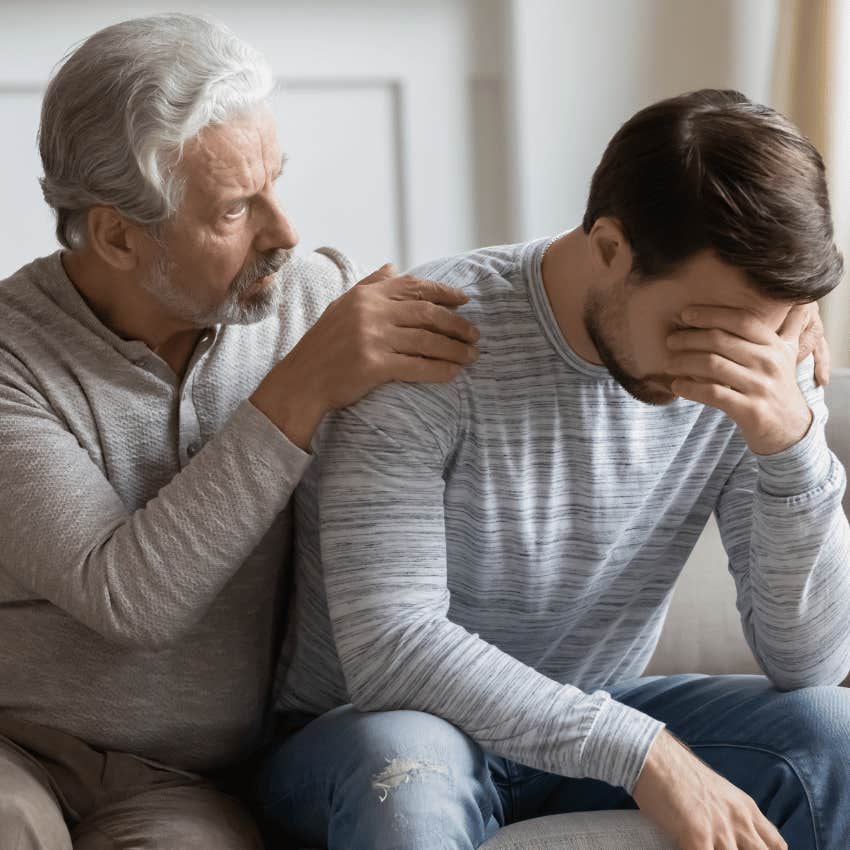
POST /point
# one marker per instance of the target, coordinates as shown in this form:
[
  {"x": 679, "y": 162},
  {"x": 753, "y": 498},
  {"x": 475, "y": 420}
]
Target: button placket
[{"x": 189, "y": 428}]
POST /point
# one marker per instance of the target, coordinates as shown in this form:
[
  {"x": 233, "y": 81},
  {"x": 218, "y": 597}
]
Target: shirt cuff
[
  {"x": 799, "y": 468},
  {"x": 618, "y": 743},
  {"x": 267, "y": 444}
]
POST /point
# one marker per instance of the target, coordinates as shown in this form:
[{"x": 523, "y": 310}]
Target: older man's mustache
[{"x": 266, "y": 264}]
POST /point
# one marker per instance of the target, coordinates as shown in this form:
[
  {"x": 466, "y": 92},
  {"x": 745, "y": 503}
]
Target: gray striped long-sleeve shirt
[{"x": 499, "y": 550}]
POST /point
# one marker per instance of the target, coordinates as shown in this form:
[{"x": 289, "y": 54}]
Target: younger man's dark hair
[{"x": 712, "y": 170}]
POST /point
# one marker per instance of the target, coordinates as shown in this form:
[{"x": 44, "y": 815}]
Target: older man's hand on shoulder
[{"x": 388, "y": 327}]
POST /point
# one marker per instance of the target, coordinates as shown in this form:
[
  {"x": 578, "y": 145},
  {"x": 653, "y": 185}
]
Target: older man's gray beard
[{"x": 237, "y": 308}]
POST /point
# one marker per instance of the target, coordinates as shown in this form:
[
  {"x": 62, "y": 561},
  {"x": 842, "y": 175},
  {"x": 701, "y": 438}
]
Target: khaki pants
[{"x": 57, "y": 793}]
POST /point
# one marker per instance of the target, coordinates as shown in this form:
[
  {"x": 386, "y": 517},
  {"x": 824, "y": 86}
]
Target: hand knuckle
[
  {"x": 368, "y": 359},
  {"x": 362, "y": 335},
  {"x": 360, "y": 300},
  {"x": 701, "y": 835},
  {"x": 773, "y": 362}
]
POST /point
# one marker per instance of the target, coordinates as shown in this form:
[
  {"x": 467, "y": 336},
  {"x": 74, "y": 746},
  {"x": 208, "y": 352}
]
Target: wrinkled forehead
[{"x": 237, "y": 156}]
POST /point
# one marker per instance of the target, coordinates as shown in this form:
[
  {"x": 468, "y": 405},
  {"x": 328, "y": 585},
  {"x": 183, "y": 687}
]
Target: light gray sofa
[{"x": 702, "y": 635}]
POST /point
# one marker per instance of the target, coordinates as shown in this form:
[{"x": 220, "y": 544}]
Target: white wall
[
  {"x": 837, "y": 317},
  {"x": 419, "y": 128},
  {"x": 580, "y": 69},
  {"x": 374, "y": 110}
]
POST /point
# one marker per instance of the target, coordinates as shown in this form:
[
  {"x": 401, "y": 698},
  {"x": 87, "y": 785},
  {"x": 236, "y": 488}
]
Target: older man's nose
[{"x": 277, "y": 231}]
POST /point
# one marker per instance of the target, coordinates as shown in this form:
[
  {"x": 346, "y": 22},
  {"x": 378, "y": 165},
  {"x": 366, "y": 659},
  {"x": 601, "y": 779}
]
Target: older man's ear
[{"x": 115, "y": 240}]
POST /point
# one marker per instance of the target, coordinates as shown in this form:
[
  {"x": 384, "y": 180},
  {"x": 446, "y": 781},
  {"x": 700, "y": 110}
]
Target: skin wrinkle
[
  {"x": 197, "y": 270},
  {"x": 227, "y": 165}
]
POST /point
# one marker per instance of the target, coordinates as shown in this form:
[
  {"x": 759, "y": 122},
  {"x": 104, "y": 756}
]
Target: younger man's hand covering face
[{"x": 730, "y": 359}]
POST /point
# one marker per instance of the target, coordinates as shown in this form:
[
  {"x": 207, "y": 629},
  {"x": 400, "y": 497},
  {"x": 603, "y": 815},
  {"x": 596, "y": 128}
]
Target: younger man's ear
[{"x": 610, "y": 251}]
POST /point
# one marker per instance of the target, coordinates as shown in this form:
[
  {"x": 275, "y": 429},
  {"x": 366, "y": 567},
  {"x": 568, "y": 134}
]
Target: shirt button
[{"x": 192, "y": 449}]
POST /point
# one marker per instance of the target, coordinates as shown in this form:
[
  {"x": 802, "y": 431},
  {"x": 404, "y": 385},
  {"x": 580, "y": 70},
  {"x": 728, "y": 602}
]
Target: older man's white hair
[{"x": 118, "y": 110}]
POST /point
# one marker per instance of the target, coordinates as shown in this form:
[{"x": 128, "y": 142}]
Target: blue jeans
[{"x": 404, "y": 780}]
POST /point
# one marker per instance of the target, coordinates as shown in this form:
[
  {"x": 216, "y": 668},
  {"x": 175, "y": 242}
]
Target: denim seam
[
  {"x": 513, "y": 773},
  {"x": 787, "y": 761}
]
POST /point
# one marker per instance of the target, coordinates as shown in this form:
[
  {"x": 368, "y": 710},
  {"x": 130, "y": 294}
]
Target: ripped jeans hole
[{"x": 400, "y": 771}]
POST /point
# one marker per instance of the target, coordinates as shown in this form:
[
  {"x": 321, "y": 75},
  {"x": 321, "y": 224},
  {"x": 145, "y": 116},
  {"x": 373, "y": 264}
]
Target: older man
[{"x": 155, "y": 416}]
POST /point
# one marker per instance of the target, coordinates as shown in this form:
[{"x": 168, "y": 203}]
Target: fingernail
[{"x": 472, "y": 354}]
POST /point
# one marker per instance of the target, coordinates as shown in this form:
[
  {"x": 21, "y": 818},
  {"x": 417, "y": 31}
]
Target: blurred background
[{"x": 420, "y": 128}]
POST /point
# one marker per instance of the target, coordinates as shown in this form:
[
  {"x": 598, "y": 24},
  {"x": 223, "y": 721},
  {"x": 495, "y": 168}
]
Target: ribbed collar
[{"x": 532, "y": 264}]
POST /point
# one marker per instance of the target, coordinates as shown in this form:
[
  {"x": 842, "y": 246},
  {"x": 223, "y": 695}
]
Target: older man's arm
[{"x": 145, "y": 578}]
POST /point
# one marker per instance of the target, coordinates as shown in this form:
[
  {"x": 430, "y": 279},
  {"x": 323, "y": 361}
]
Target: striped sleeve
[
  {"x": 384, "y": 550},
  {"x": 792, "y": 573}
]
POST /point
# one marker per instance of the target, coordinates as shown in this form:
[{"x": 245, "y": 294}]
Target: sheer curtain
[{"x": 812, "y": 87}]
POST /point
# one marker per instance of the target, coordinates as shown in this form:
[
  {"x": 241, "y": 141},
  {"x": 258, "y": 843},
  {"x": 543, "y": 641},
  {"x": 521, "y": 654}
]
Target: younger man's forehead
[{"x": 712, "y": 282}]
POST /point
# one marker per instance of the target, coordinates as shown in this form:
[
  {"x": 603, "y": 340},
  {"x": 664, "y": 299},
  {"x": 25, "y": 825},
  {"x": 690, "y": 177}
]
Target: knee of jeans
[
  {"x": 414, "y": 734},
  {"x": 402, "y": 747},
  {"x": 818, "y": 718}
]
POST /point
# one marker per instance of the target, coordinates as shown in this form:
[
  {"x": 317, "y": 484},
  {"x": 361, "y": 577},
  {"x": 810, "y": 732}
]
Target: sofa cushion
[{"x": 621, "y": 830}]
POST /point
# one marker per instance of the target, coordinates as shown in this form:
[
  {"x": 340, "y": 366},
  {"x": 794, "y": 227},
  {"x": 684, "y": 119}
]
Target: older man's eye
[{"x": 237, "y": 211}]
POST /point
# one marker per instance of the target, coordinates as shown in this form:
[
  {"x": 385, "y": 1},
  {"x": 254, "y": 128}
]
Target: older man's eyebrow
[{"x": 228, "y": 199}]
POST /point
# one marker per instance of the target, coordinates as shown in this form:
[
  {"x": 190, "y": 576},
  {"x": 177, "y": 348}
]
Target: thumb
[{"x": 385, "y": 271}]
